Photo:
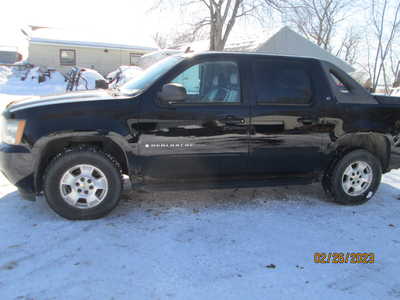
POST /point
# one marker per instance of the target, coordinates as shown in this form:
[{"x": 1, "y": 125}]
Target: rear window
[
  {"x": 340, "y": 85},
  {"x": 282, "y": 83}
]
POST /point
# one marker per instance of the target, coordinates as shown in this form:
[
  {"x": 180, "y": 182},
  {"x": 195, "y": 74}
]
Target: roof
[
  {"x": 8, "y": 48},
  {"x": 247, "y": 53},
  {"x": 288, "y": 42},
  {"x": 281, "y": 42},
  {"x": 101, "y": 39}
]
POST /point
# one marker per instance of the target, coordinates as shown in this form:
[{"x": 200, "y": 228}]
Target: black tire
[
  {"x": 336, "y": 176},
  {"x": 63, "y": 162}
]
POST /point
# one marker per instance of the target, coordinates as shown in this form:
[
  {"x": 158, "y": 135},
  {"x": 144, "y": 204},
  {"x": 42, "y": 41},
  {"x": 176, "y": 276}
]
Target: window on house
[
  {"x": 134, "y": 58},
  {"x": 282, "y": 83},
  {"x": 67, "y": 57}
]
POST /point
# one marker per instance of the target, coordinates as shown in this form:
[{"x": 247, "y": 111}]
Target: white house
[{"x": 103, "y": 51}]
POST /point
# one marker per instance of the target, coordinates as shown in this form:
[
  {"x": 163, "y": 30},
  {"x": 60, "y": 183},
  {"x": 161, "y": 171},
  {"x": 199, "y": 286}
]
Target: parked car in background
[
  {"x": 82, "y": 79},
  {"x": 203, "y": 120},
  {"x": 147, "y": 60},
  {"x": 122, "y": 75}
]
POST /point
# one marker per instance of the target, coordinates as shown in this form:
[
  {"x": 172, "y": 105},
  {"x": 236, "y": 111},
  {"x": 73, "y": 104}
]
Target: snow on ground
[
  {"x": 202, "y": 245},
  {"x": 209, "y": 244},
  {"x": 11, "y": 83},
  {"x": 55, "y": 83}
]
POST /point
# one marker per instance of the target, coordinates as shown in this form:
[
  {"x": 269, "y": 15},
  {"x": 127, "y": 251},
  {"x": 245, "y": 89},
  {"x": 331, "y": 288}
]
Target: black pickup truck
[{"x": 203, "y": 120}]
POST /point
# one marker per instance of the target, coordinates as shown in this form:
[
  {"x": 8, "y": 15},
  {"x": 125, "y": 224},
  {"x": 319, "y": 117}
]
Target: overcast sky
[
  {"x": 114, "y": 17},
  {"x": 62, "y": 13},
  {"x": 118, "y": 17}
]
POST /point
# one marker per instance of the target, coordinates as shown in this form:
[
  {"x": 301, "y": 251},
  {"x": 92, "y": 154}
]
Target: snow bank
[
  {"x": 39, "y": 82},
  {"x": 26, "y": 82}
]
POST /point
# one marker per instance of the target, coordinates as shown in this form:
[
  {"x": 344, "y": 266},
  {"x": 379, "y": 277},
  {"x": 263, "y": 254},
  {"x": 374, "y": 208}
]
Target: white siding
[{"x": 94, "y": 58}]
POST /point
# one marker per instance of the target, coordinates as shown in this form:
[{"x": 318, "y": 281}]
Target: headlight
[{"x": 12, "y": 131}]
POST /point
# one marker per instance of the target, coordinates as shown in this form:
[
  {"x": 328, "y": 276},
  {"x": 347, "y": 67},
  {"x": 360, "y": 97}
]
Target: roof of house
[
  {"x": 8, "y": 48},
  {"x": 101, "y": 39},
  {"x": 283, "y": 41},
  {"x": 288, "y": 42}
]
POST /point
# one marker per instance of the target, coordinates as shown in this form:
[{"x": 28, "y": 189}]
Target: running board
[{"x": 181, "y": 186}]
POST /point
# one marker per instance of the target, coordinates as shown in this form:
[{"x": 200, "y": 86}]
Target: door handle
[
  {"x": 232, "y": 120},
  {"x": 307, "y": 121}
]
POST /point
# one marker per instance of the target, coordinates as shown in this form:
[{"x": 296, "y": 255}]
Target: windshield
[{"x": 150, "y": 75}]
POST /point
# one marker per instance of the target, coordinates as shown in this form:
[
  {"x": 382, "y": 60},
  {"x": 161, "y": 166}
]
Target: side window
[
  {"x": 216, "y": 81},
  {"x": 190, "y": 79},
  {"x": 339, "y": 84},
  {"x": 282, "y": 83}
]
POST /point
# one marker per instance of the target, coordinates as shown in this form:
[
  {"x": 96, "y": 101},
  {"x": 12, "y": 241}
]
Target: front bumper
[{"x": 16, "y": 163}]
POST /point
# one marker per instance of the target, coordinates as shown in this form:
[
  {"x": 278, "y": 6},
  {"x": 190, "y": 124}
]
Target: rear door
[
  {"x": 286, "y": 129},
  {"x": 208, "y": 134}
]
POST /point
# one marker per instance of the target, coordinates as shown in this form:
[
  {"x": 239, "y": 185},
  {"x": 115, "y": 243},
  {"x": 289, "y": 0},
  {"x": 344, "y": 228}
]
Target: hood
[{"x": 72, "y": 97}]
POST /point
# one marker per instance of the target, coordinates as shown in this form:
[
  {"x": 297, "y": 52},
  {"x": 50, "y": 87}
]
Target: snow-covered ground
[
  {"x": 202, "y": 245},
  {"x": 11, "y": 83},
  {"x": 210, "y": 244}
]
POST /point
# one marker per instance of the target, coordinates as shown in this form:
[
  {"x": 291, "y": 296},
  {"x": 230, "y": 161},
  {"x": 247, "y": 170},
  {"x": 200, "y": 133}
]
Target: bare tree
[
  {"x": 317, "y": 20},
  {"x": 349, "y": 46},
  {"x": 220, "y": 16},
  {"x": 394, "y": 62},
  {"x": 385, "y": 33},
  {"x": 161, "y": 40}
]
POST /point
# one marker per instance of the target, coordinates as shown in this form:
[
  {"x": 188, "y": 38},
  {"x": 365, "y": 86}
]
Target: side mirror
[
  {"x": 172, "y": 93},
  {"x": 101, "y": 84}
]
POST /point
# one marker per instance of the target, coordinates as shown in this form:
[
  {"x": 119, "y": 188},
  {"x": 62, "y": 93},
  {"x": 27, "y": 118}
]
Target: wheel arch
[
  {"x": 49, "y": 148},
  {"x": 375, "y": 143}
]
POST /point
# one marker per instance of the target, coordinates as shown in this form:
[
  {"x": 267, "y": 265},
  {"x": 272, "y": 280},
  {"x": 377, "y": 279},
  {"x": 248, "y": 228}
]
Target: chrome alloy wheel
[
  {"x": 357, "y": 178},
  {"x": 83, "y": 186}
]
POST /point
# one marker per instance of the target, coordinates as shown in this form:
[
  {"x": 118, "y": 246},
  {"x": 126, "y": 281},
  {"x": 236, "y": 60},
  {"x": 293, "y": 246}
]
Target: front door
[{"x": 206, "y": 136}]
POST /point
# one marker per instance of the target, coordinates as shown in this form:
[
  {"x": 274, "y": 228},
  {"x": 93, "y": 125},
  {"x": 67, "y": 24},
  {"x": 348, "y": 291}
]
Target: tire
[
  {"x": 350, "y": 188},
  {"x": 85, "y": 173}
]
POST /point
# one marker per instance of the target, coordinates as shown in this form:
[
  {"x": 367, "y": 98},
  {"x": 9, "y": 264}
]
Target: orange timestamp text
[{"x": 344, "y": 258}]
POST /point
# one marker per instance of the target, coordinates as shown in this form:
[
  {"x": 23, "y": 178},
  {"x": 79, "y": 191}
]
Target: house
[
  {"x": 284, "y": 41},
  {"x": 62, "y": 49}
]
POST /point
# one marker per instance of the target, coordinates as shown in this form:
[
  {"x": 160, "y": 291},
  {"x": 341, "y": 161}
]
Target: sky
[
  {"x": 62, "y": 13},
  {"x": 122, "y": 18},
  {"x": 116, "y": 17}
]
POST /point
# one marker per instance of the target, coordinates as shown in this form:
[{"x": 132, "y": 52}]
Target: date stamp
[{"x": 344, "y": 258}]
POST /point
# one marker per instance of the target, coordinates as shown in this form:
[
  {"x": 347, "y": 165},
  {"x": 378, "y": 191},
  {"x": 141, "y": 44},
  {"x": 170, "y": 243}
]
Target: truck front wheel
[
  {"x": 355, "y": 178},
  {"x": 83, "y": 184}
]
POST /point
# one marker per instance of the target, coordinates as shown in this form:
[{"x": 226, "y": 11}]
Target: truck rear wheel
[
  {"x": 355, "y": 178},
  {"x": 83, "y": 184}
]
